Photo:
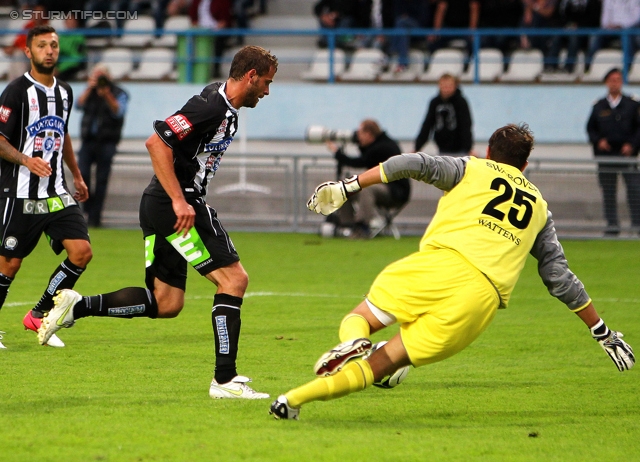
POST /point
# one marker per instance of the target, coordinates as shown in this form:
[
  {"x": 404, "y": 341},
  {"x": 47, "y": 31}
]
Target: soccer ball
[{"x": 393, "y": 380}]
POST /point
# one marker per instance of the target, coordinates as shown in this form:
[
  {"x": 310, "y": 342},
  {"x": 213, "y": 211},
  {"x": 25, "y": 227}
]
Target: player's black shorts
[
  {"x": 24, "y": 221},
  {"x": 206, "y": 247}
]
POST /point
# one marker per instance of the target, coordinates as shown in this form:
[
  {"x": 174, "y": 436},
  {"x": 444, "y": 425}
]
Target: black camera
[{"x": 103, "y": 81}]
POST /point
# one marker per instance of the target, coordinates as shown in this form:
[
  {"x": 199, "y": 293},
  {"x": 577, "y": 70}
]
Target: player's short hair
[
  {"x": 372, "y": 127},
  {"x": 511, "y": 144},
  {"x": 252, "y": 57},
  {"x": 447, "y": 76},
  {"x": 613, "y": 70},
  {"x": 39, "y": 30}
]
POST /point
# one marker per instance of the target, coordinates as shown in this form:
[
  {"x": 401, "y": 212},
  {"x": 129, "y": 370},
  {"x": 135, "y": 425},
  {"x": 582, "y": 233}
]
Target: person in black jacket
[
  {"x": 449, "y": 118},
  {"x": 104, "y": 105},
  {"x": 375, "y": 147},
  {"x": 614, "y": 131}
]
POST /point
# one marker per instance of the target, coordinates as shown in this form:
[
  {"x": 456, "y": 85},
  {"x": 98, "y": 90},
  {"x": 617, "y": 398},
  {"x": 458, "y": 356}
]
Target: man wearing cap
[{"x": 614, "y": 132}]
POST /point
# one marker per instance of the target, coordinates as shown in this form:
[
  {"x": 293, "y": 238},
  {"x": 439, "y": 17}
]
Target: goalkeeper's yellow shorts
[{"x": 441, "y": 301}]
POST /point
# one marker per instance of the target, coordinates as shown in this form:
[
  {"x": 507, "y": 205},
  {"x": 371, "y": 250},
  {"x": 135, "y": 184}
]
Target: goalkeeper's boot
[
  {"x": 61, "y": 315},
  {"x": 236, "y": 388},
  {"x": 30, "y": 322},
  {"x": 280, "y": 409},
  {"x": 334, "y": 360},
  {"x": 1, "y": 345}
]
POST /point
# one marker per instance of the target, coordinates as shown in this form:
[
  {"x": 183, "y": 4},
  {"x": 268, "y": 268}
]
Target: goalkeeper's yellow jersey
[{"x": 491, "y": 217}]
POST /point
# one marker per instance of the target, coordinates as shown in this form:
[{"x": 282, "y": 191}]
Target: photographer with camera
[
  {"x": 104, "y": 105},
  {"x": 375, "y": 147}
]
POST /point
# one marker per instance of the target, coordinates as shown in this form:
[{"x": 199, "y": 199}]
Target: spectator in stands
[
  {"x": 375, "y": 147},
  {"x": 616, "y": 14},
  {"x": 538, "y": 14},
  {"x": 336, "y": 14},
  {"x": 449, "y": 119},
  {"x": 501, "y": 14},
  {"x": 454, "y": 14},
  {"x": 73, "y": 53},
  {"x": 19, "y": 62},
  {"x": 216, "y": 15},
  {"x": 104, "y": 105},
  {"x": 572, "y": 15},
  {"x": 614, "y": 131},
  {"x": 178, "y": 7},
  {"x": 409, "y": 14}
]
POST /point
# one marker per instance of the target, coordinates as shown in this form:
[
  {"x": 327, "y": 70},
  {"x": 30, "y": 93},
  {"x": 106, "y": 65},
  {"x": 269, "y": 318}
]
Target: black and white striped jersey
[
  {"x": 34, "y": 119},
  {"x": 199, "y": 134}
]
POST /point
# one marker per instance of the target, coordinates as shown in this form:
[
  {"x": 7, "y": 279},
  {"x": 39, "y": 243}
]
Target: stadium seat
[
  {"x": 565, "y": 77},
  {"x": 170, "y": 39},
  {"x": 443, "y": 61},
  {"x": 366, "y": 65},
  {"x": 319, "y": 69},
  {"x": 137, "y": 40},
  {"x": 13, "y": 27},
  {"x": 155, "y": 64},
  {"x": 284, "y": 23},
  {"x": 100, "y": 40},
  {"x": 634, "y": 71},
  {"x": 524, "y": 66},
  {"x": 490, "y": 69},
  {"x": 411, "y": 73},
  {"x": 119, "y": 61},
  {"x": 603, "y": 60}
]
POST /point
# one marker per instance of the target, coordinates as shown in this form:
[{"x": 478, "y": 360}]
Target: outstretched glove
[
  {"x": 331, "y": 195},
  {"x": 611, "y": 341}
]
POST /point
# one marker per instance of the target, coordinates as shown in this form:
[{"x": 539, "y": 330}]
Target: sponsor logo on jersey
[
  {"x": 179, "y": 125},
  {"x": 10, "y": 243},
  {"x": 65, "y": 104},
  {"x": 33, "y": 107},
  {"x": 223, "y": 127},
  {"x": 50, "y": 122},
  {"x": 213, "y": 162},
  {"x": 168, "y": 133},
  {"x": 5, "y": 112},
  {"x": 218, "y": 146}
]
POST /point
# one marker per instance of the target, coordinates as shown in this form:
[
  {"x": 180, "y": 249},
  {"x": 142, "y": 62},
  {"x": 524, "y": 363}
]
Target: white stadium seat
[
  {"x": 411, "y": 73},
  {"x": 490, "y": 68},
  {"x": 603, "y": 60},
  {"x": 142, "y": 24},
  {"x": 173, "y": 23},
  {"x": 319, "y": 69},
  {"x": 366, "y": 65},
  {"x": 155, "y": 64},
  {"x": 119, "y": 61},
  {"x": 634, "y": 71},
  {"x": 524, "y": 66},
  {"x": 444, "y": 61}
]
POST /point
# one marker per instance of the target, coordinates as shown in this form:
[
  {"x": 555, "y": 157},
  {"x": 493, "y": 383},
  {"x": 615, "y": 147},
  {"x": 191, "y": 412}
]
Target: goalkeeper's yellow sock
[
  {"x": 354, "y": 326},
  {"x": 354, "y": 376}
]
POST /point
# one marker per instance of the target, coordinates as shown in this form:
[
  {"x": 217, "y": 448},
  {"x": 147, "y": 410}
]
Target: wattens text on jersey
[
  {"x": 50, "y": 122},
  {"x": 500, "y": 230},
  {"x": 519, "y": 180}
]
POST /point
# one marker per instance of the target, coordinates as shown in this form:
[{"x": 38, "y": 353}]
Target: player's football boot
[
  {"x": 32, "y": 323},
  {"x": 280, "y": 409},
  {"x": 1, "y": 345},
  {"x": 61, "y": 315},
  {"x": 333, "y": 361},
  {"x": 235, "y": 388}
]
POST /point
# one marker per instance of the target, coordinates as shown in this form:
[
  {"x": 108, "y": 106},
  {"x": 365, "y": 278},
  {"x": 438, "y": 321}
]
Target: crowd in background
[{"x": 465, "y": 15}]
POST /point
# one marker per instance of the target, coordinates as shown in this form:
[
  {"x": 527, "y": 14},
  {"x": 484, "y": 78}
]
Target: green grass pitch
[{"x": 533, "y": 387}]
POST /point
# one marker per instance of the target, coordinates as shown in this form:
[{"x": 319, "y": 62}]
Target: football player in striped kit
[
  {"x": 34, "y": 197},
  {"x": 181, "y": 229}
]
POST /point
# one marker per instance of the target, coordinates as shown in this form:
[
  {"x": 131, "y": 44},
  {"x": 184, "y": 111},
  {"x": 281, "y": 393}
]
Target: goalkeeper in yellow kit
[{"x": 446, "y": 294}]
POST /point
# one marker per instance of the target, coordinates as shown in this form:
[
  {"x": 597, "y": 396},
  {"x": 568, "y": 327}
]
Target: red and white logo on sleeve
[
  {"x": 5, "y": 112},
  {"x": 179, "y": 125}
]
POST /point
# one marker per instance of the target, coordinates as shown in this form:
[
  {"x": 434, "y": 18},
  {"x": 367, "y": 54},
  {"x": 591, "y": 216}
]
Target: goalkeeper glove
[
  {"x": 611, "y": 341},
  {"x": 331, "y": 195}
]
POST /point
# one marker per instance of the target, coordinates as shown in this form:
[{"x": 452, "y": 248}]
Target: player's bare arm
[
  {"x": 162, "y": 161},
  {"x": 36, "y": 165},
  {"x": 82, "y": 192}
]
